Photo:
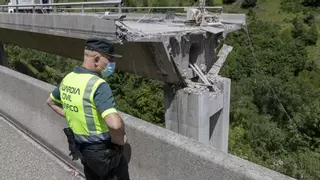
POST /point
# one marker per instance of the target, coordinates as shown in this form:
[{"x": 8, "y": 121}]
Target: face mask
[{"x": 109, "y": 70}]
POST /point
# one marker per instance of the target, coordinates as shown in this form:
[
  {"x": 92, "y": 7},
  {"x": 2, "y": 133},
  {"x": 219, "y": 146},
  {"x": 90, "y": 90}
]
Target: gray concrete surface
[
  {"x": 203, "y": 116},
  {"x": 65, "y": 35},
  {"x": 165, "y": 28},
  {"x": 223, "y": 54},
  {"x": 67, "y": 25},
  {"x": 82, "y": 26},
  {"x": 233, "y": 18},
  {"x": 21, "y": 158},
  {"x": 26, "y": 106},
  {"x": 153, "y": 152}
]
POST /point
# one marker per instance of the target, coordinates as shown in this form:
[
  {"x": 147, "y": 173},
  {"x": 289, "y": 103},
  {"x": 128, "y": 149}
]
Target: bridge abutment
[{"x": 3, "y": 57}]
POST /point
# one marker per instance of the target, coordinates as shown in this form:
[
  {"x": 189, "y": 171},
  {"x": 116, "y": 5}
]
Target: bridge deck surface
[
  {"x": 22, "y": 158},
  {"x": 162, "y": 28}
]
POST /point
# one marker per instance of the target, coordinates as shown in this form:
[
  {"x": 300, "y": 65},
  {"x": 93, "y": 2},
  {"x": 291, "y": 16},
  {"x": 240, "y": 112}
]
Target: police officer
[{"x": 96, "y": 132}]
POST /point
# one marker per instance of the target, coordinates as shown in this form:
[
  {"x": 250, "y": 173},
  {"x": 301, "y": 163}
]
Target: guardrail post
[
  {"x": 33, "y": 9},
  {"x": 3, "y": 57},
  {"x": 120, "y": 8},
  {"x": 17, "y": 5},
  {"x": 82, "y": 9}
]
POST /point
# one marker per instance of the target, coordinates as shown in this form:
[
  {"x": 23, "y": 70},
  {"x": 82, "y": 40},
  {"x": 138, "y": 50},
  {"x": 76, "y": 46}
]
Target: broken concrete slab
[{"x": 223, "y": 54}]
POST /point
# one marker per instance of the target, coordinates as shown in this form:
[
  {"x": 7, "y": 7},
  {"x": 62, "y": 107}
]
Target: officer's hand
[{"x": 125, "y": 139}]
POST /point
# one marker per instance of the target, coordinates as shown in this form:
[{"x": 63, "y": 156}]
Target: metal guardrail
[
  {"x": 147, "y": 7},
  {"x": 110, "y": 2},
  {"x": 168, "y": 7},
  {"x": 82, "y": 4}
]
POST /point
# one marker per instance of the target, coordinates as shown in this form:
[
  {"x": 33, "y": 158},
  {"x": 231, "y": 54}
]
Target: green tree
[
  {"x": 291, "y": 6},
  {"x": 314, "y": 3},
  {"x": 312, "y": 35},
  {"x": 269, "y": 97},
  {"x": 248, "y": 3},
  {"x": 228, "y": 1},
  {"x": 145, "y": 3},
  {"x": 309, "y": 19},
  {"x": 38, "y": 64},
  {"x": 299, "y": 30},
  {"x": 209, "y": 2},
  {"x": 138, "y": 96}
]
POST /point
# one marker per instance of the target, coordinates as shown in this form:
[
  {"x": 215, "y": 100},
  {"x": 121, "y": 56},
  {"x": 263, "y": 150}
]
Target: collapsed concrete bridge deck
[{"x": 146, "y": 47}]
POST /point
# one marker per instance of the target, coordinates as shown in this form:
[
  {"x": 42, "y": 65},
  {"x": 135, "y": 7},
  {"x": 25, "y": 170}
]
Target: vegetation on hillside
[
  {"x": 274, "y": 110},
  {"x": 275, "y": 102}
]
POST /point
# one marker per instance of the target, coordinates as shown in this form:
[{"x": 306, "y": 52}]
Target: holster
[
  {"x": 115, "y": 154},
  {"x": 73, "y": 146}
]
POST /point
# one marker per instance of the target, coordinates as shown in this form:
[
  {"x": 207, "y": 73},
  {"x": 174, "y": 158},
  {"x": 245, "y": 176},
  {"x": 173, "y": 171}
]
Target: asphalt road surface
[{"x": 23, "y": 159}]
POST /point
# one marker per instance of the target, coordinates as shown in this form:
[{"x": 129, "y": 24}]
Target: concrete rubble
[{"x": 211, "y": 77}]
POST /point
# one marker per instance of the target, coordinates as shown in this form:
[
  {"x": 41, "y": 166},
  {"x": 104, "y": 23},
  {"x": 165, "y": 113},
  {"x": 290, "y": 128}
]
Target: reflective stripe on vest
[{"x": 76, "y": 92}]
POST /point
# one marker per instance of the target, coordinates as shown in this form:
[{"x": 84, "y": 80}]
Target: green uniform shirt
[{"x": 103, "y": 97}]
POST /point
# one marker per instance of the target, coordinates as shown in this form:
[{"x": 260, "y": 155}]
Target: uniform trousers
[{"x": 97, "y": 163}]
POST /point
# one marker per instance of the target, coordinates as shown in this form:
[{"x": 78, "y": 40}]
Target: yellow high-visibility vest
[{"x": 77, "y": 92}]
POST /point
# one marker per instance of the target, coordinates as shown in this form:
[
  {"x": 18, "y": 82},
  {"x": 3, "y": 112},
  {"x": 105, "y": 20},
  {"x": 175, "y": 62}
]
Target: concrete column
[
  {"x": 219, "y": 121},
  {"x": 3, "y": 57},
  {"x": 200, "y": 116}
]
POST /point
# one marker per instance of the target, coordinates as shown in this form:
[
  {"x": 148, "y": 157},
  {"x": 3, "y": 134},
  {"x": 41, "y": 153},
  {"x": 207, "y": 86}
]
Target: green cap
[{"x": 101, "y": 45}]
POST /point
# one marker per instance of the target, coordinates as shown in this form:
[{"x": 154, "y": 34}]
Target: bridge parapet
[{"x": 154, "y": 152}]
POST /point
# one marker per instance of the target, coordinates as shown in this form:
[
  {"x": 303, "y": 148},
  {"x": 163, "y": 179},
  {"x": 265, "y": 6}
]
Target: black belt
[{"x": 97, "y": 146}]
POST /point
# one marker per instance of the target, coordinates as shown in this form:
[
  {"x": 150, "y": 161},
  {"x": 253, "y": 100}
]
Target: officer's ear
[{"x": 96, "y": 60}]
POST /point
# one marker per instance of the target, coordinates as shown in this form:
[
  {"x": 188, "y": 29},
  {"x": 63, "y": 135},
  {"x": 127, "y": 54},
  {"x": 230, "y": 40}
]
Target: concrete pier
[
  {"x": 3, "y": 57},
  {"x": 200, "y": 115},
  {"x": 199, "y": 109},
  {"x": 219, "y": 121}
]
